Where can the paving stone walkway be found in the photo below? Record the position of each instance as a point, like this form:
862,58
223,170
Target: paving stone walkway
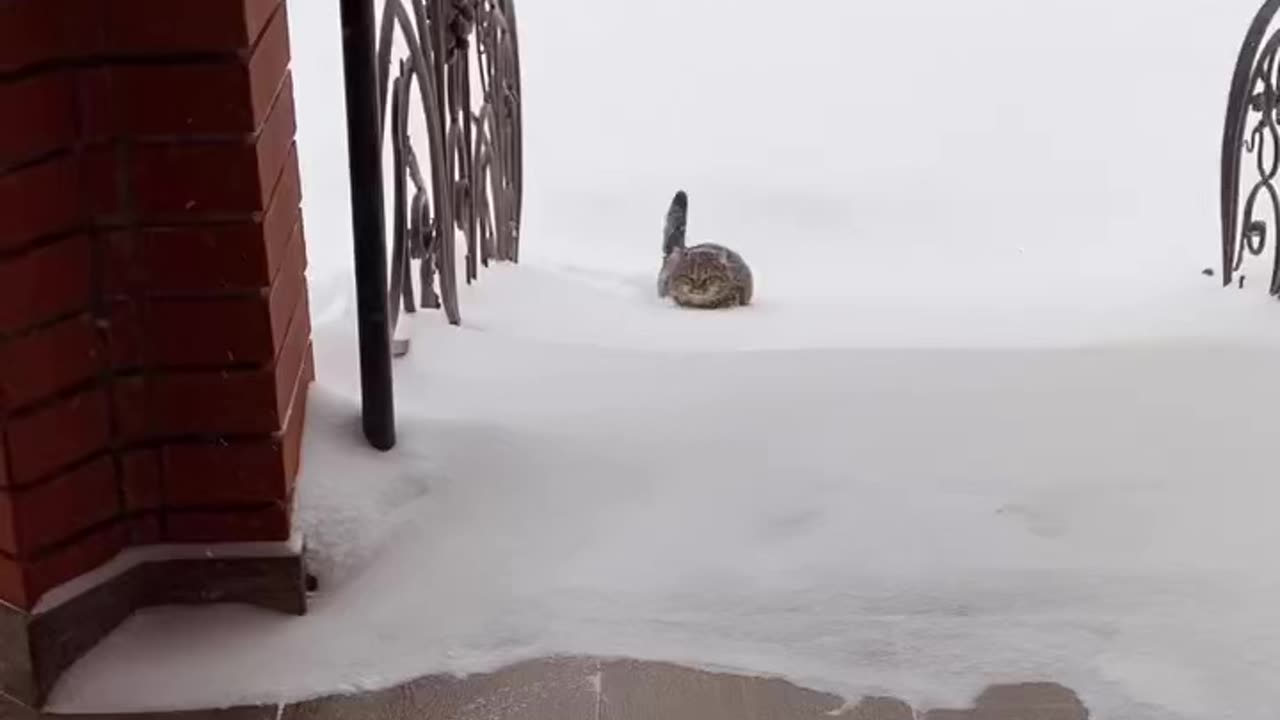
591,689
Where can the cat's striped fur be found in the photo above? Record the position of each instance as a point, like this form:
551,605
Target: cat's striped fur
706,276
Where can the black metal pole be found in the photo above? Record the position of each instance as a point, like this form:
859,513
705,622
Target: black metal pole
359,42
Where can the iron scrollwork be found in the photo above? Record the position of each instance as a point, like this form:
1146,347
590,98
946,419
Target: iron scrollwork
1252,132
472,183
459,84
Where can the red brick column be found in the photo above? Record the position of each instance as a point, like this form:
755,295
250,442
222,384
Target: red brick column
154,330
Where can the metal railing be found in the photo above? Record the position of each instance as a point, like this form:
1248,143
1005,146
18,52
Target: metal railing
468,183
1252,133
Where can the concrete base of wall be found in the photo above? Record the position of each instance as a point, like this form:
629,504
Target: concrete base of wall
37,647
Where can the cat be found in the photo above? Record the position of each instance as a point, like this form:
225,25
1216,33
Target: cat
706,276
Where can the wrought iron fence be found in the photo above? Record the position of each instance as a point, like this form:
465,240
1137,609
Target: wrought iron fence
461,69
1251,144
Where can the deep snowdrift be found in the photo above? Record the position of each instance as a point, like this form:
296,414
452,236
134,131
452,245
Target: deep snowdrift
921,522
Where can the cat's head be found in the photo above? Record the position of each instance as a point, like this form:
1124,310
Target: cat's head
702,278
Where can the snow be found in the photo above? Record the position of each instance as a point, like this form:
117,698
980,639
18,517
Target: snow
987,422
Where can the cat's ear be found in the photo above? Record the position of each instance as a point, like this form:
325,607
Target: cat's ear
677,219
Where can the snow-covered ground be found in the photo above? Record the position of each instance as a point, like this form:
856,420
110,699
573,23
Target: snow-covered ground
987,422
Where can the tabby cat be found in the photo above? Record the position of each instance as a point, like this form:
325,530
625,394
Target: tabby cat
706,276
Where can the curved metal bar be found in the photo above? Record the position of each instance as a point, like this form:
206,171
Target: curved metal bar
462,210
517,129
400,277
483,164
1253,91
500,119
513,33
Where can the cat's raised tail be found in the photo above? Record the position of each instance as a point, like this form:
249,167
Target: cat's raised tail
677,219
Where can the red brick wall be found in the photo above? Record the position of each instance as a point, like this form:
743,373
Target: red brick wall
154,332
